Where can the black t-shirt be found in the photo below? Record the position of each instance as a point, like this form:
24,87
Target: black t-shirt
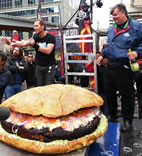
42,59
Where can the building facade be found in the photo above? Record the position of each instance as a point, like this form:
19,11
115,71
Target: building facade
54,11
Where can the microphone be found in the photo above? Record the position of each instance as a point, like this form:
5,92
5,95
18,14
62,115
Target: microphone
4,113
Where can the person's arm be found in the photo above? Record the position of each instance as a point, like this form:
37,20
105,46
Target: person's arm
18,43
49,47
31,42
137,53
4,79
46,50
99,60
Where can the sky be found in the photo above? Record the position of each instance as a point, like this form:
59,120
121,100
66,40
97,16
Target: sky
101,15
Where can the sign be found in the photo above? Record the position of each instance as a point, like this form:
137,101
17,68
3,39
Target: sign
79,57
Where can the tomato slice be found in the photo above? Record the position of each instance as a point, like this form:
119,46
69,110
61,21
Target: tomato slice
34,121
81,112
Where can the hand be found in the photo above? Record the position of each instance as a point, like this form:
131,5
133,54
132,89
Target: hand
31,41
105,62
132,55
98,61
13,40
6,41
20,67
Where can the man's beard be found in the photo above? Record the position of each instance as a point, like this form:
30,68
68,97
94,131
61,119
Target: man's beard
16,55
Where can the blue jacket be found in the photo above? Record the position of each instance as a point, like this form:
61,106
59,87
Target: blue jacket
118,43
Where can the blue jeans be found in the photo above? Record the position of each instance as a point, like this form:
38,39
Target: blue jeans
12,89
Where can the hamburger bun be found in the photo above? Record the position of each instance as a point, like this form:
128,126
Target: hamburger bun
52,100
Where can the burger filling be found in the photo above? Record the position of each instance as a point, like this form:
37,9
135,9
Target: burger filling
73,126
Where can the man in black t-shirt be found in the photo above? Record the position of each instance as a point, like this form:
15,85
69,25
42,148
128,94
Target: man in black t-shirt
44,45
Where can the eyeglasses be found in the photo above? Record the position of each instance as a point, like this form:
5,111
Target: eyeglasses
30,56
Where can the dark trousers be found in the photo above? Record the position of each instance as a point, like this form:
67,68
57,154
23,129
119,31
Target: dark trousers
122,80
140,106
45,75
139,93
1,94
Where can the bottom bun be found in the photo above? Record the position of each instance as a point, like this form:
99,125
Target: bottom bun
54,147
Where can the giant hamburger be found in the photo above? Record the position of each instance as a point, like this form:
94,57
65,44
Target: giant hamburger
53,119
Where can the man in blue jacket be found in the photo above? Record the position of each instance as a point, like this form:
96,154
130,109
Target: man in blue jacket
125,34
4,74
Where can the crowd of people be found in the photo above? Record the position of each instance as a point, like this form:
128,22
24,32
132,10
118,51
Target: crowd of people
113,65
36,70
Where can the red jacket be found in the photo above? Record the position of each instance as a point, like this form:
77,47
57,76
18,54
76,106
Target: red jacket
13,39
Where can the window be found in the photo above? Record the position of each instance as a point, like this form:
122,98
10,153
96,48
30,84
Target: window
55,19
8,33
31,1
28,12
49,10
33,12
52,10
56,9
50,0
5,4
45,18
20,34
22,13
18,3
0,32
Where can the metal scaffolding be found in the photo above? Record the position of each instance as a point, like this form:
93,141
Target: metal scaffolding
80,57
